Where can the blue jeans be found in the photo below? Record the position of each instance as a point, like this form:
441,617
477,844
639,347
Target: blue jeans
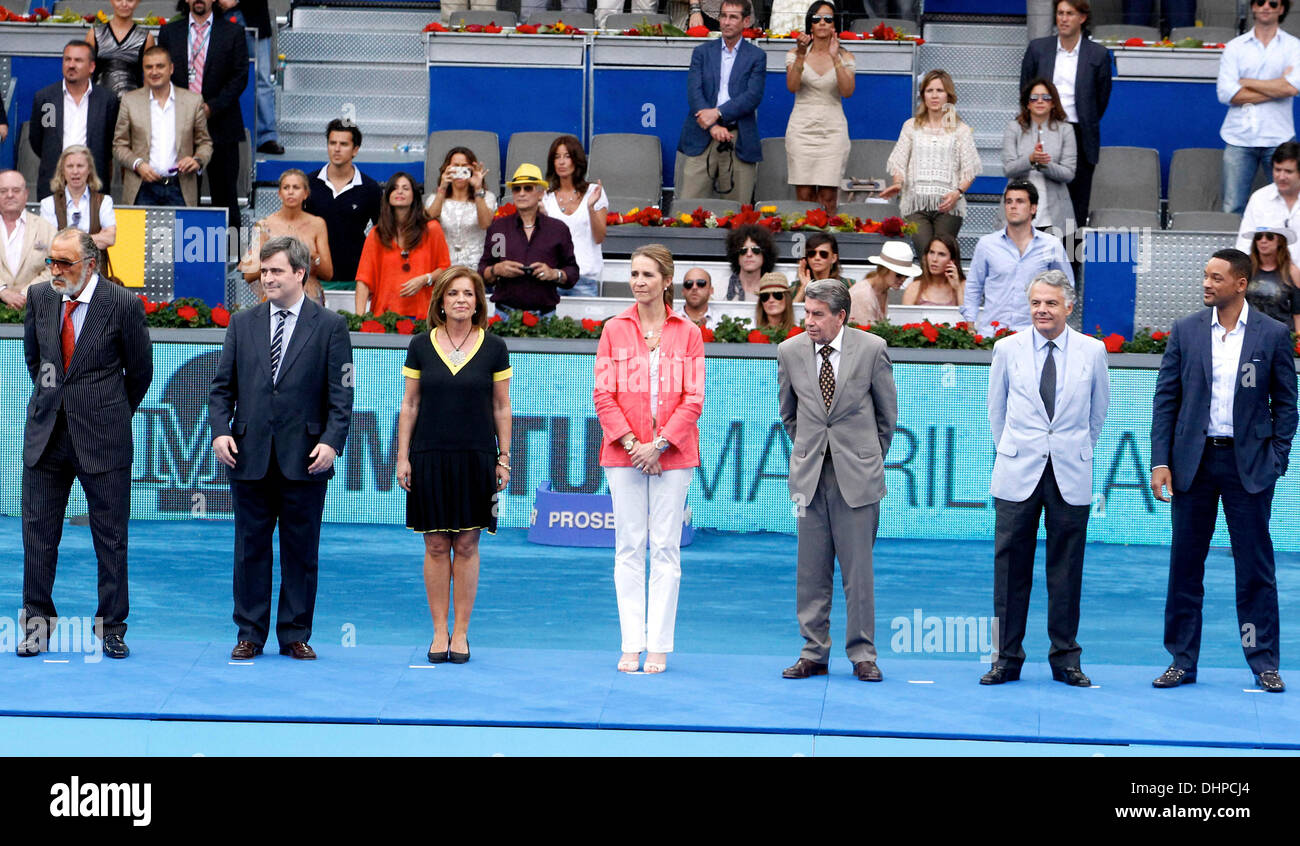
160,194
259,51
587,286
505,312
1239,165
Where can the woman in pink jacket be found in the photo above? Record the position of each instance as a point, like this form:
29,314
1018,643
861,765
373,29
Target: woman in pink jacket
649,394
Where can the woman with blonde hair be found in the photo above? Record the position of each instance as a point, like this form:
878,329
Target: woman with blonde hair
934,162
293,221
82,206
648,395
453,449
775,306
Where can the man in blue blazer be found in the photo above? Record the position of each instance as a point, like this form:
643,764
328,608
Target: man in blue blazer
1223,418
1049,390
280,409
1084,93
720,135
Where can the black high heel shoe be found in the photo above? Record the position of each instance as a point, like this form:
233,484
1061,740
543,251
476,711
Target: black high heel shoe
438,657
458,657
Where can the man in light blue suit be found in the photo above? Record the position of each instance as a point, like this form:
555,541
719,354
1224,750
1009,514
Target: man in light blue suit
1048,394
720,135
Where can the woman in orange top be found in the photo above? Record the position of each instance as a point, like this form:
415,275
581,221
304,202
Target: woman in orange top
402,255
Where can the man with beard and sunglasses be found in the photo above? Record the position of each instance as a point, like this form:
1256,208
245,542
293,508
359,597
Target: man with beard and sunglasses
697,290
91,362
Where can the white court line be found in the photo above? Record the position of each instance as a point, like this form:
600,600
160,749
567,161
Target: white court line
240,663
920,681
1252,690
1094,687
422,667
57,660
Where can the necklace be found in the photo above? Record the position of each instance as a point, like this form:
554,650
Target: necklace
457,357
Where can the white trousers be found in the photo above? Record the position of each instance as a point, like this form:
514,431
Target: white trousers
648,506
605,8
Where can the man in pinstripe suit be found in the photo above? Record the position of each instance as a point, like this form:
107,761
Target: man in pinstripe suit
91,362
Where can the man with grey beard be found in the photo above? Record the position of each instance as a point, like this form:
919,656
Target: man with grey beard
91,362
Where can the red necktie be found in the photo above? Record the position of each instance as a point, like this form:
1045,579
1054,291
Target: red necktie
69,334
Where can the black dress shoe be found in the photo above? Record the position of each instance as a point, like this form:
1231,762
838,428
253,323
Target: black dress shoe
299,650
1271,681
437,657
31,646
1175,676
245,650
272,148
803,669
998,674
458,657
115,647
1072,676
867,671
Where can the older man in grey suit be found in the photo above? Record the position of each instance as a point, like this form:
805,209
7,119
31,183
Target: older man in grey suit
839,407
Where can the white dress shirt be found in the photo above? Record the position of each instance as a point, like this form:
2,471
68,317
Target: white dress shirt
836,345
1040,360
289,323
1226,350
1246,57
1266,207
1063,74
13,253
79,210
75,116
79,315
162,133
728,61
324,176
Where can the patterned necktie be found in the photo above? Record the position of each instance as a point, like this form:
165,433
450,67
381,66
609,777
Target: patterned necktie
198,54
1047,384
69,334
277,341
827,378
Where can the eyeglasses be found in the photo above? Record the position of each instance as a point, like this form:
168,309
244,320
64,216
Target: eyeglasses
771,295
1046,98
1272,4
688,284
821,253
1268,236
751,251
62,264
524,188
406,260
822,19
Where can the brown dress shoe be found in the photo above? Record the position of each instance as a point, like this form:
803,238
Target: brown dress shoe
300,650
803,668
867,671
244,651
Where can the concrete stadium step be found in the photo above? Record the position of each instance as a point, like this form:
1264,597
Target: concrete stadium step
965,33
330,77
366,19
961,60
410,129
368,109
355,48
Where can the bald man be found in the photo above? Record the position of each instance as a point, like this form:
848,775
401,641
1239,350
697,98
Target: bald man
697,290
24,241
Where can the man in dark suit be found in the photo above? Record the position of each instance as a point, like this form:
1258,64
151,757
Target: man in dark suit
1080,69
840,407
91,362
280,408
73,112
1223,418
720,134
211,58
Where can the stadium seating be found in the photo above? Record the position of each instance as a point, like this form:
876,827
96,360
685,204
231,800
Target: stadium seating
1196,180
1124,32
1127,178
772,184
1206,221
628,167
481,17
582,20
1123,219
626,21
486,147
530,147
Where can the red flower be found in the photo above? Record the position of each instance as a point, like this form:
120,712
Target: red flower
650,216
613,218
526,29
707,334
979,339
994,324
496,318
435,27
40,13
1114,342
232,19
405,327
755,32
529,318
1159,336
698,32
931,334
816,217
884,33
1134,42
505,210
745,215
846,35
757,336
220,316
892,227
372,326
474,28
492,28
187,312
590,325
797,330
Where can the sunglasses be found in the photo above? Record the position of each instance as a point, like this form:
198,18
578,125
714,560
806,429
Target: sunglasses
771,295
1272,4
821,253
688,284
524,188
751,251
406,261
822,19
1046,98
1268,236
62,264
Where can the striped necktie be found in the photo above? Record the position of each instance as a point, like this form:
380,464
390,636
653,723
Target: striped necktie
277,341
198,54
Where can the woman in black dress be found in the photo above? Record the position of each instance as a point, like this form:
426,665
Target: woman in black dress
453,442
119,46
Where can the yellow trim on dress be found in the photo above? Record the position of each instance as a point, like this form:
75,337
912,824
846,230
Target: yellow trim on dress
410,372
466,529
433,337
502,375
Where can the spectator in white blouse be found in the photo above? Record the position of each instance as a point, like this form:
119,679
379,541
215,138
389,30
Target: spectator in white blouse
582,206
80,204
462,205
933,163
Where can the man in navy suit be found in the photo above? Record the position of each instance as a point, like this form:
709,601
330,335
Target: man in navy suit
1223,418
280,409
73,112
720,135
1080,69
